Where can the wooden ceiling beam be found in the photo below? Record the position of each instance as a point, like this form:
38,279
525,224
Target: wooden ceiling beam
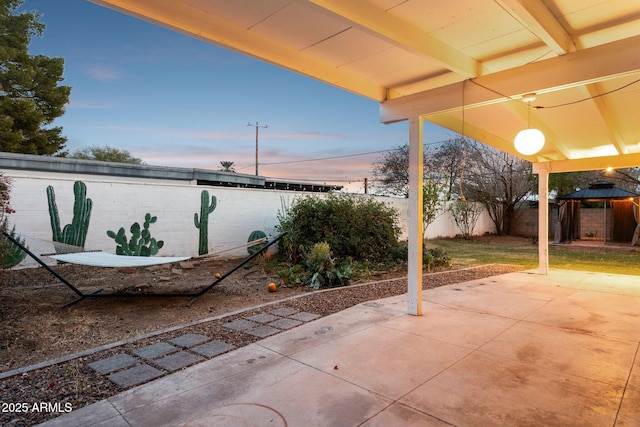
537,18
575,69
397,31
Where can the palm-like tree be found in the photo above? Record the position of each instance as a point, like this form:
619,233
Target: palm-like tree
227,166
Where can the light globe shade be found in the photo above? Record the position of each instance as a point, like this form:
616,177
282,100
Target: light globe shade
529,141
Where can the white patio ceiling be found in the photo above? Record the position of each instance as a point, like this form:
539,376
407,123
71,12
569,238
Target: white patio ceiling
430,58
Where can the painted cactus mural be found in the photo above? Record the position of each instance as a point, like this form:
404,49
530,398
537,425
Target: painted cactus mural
141,242
74,234
256,235
202,224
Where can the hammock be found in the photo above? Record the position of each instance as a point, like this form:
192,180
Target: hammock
103,259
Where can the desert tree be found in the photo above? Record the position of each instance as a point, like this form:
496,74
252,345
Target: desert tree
498,180
105,154
31,96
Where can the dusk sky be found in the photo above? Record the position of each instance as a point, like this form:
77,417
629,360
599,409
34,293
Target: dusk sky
173,100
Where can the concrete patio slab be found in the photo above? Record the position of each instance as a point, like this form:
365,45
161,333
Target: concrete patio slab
593,357
604,314
634,378
270,388
502,351
630,409
484,299
101,414
401,415
353,358
453,326
488,390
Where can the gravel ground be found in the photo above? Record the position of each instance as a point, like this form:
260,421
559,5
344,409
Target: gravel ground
71,384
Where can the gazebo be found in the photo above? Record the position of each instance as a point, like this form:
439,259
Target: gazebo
623,205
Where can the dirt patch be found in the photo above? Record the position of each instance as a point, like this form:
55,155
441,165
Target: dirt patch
36,328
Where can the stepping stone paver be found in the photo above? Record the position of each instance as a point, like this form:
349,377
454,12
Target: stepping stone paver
212,348
154,351
262,331
263,318
303,316
113,363
285,323
240,325
189,340
284,311
171,356
134,376
177,361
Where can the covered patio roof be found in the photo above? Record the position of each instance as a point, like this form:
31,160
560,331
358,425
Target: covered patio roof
419,57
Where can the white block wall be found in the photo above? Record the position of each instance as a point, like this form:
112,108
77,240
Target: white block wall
119,202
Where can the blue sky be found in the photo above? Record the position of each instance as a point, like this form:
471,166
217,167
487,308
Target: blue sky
174,100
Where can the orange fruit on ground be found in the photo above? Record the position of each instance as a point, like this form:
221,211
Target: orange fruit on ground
271,287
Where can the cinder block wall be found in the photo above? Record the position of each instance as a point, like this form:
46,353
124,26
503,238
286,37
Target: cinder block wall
591,223
119,202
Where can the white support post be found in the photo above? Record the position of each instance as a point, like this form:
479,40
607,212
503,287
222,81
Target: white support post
416,173
543,220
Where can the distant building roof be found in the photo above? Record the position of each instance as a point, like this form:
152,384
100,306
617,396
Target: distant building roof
199,176
599,190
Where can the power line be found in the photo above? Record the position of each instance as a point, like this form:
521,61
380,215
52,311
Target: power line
327,158
343,156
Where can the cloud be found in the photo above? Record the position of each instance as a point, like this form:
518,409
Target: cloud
102,73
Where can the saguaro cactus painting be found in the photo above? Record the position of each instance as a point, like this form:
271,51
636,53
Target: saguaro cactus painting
74,234
202,224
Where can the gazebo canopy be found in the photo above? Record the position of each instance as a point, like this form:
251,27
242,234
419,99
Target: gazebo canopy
600,190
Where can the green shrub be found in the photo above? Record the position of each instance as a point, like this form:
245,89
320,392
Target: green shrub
358,228
319,271
10,254
432,259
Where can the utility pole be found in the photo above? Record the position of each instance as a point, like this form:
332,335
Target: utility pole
257,126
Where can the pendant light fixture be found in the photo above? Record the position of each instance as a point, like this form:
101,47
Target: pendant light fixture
529,141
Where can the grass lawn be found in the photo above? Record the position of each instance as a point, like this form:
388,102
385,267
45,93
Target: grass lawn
521,251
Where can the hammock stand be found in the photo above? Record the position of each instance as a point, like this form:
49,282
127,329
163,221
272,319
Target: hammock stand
96,293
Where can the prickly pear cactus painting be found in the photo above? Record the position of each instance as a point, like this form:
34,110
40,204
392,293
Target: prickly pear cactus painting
202,224
74,234
141,242
256,235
